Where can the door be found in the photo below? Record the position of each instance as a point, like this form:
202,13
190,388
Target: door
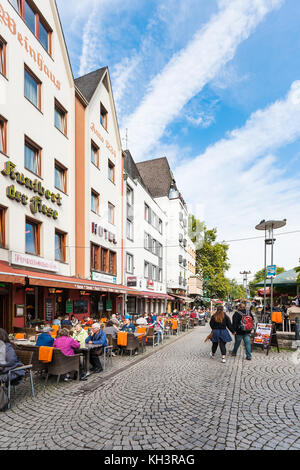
4,312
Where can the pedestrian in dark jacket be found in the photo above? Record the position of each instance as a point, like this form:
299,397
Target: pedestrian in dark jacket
9,360
240,333
220,336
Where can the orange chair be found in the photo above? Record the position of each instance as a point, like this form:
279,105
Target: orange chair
277,317
122,338
45,354
20,336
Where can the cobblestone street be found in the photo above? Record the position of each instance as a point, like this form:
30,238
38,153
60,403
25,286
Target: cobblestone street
177,398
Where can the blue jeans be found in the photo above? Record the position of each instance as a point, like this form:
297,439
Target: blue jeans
238,339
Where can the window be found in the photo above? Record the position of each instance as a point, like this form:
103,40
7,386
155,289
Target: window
129,263
29,16
60,177
94,201
147,212
104,260
35,21
2,56
103,116
146,270
95,154
111,171
2,226
129,196
32,157
95,257
112,263
16,4
129,230
32,88
154,273
111,213
160,275
32,235
3,135
60,118
60,246
160,226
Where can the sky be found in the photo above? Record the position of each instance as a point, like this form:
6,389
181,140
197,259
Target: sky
213,85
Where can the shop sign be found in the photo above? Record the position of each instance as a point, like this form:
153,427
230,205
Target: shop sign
150,284
103,233
36,202
271,270
131,281
104,278
30,261
108,305
69,306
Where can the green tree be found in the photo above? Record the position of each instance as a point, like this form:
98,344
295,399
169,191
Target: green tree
259,277
236,291
212,263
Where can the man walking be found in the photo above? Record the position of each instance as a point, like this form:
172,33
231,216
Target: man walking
242,323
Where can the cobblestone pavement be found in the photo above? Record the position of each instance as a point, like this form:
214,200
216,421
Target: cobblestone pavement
177,398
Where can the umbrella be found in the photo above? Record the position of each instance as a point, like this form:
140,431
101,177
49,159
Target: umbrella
288,278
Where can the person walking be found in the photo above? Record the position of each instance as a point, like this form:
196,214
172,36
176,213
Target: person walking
220,336
242,322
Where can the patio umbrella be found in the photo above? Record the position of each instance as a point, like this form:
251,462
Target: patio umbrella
288,278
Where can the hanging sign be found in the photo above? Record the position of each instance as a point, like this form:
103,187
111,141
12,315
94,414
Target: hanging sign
271,270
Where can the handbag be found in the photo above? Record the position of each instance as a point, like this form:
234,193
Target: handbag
208,337
3,398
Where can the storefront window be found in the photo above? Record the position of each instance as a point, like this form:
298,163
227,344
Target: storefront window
80,306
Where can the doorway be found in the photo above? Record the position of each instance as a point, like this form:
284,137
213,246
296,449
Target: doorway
4,310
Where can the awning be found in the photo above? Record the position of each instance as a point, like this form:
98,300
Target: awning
10,275
19,276
150,295
187,300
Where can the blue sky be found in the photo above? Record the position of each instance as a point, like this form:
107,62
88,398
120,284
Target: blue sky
213,85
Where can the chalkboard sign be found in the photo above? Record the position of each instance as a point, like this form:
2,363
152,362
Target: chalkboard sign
49,309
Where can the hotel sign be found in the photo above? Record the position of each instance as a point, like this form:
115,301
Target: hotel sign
34,262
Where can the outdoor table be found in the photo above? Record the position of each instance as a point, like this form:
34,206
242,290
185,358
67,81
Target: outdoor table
20,342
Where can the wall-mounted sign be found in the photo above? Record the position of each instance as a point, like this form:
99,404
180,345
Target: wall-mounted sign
49,309
108,146
150,284
104,278
30,261
131,281
36,202
103,233
69,306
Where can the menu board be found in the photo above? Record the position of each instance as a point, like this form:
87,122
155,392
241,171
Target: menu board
49,309
263,334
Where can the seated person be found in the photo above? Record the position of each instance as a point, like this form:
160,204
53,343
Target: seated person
74,321
9,360
142,320
88,321
57,320
66,321
66,343
128,326
111,329
80,335
114,320
45,338
97,337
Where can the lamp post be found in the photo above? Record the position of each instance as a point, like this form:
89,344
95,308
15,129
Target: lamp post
269,228
245,281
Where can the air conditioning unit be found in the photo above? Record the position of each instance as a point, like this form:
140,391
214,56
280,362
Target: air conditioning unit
180,280
184,262
185,242
180,259
185,223
180,237
180,216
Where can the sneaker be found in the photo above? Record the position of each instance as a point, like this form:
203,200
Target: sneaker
232,354
211,355
96,371
248,358
223,360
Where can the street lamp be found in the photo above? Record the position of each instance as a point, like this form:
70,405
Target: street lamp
269,228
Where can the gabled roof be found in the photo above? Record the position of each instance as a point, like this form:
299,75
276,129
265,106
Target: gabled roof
130,166
87,84
157,176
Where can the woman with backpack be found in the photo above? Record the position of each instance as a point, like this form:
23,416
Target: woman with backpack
220,336
242,322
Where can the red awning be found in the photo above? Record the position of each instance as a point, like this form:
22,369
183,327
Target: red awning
150,295
11,275
60,282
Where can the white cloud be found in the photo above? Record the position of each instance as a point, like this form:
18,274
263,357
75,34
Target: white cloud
240,181
190,69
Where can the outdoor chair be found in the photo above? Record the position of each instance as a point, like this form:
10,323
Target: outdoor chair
62,364
26,358
132,344
37,365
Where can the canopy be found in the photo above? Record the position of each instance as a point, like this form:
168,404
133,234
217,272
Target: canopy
288,278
